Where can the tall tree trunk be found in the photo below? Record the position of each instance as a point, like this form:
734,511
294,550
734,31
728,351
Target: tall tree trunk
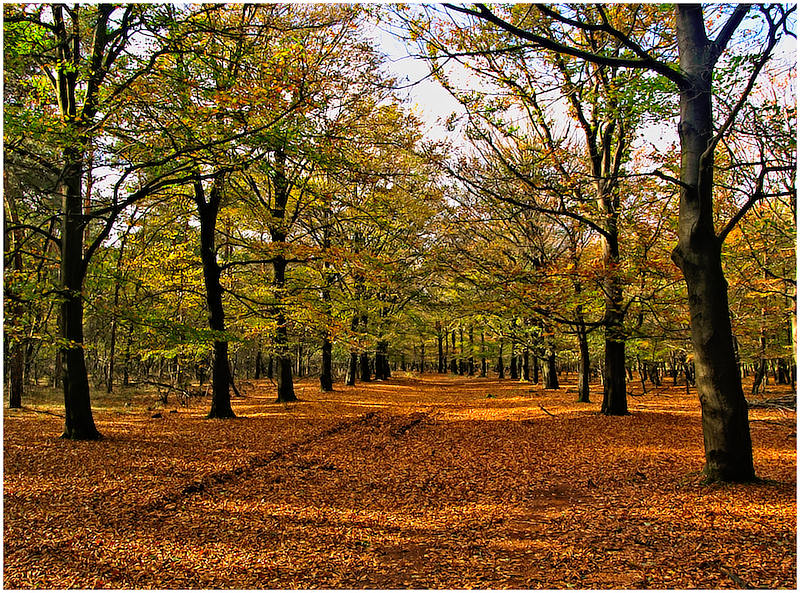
326,374
352,367
442,365
446,351
501,373
453,358
283,370
550,370
583,363
17,356
284,381
126,361
462,360
208,209
112,348
760,378
726,429
366,374
259,364
513,374
365,366
16,350
615,397
484,368
382,370
471,362
526,368
79,422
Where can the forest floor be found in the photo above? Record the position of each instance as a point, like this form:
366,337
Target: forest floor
418,482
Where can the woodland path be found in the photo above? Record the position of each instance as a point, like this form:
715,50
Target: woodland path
432,482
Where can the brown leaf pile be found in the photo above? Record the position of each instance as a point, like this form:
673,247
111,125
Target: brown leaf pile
417,482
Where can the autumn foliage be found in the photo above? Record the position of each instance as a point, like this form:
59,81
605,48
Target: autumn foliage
423,481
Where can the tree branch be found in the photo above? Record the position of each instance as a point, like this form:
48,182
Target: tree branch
648,63
754,199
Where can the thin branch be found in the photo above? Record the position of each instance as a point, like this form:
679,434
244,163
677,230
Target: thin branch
754,199
648,63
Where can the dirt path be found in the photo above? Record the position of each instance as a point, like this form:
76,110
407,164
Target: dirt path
437,482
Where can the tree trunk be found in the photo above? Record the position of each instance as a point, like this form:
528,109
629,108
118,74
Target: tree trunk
259,364
284,380
17,356
500,364
462,360
220,370
584,364
484,368
114,323
526,364
471,362
326,375
550,370
726,429
513,374
382,370
352,368
453,358
285,384
442,366
366,373
615,397
79,423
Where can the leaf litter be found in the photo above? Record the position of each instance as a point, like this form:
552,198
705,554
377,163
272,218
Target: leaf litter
416,482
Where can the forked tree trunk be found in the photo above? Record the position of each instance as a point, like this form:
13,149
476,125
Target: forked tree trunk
726,429
220,371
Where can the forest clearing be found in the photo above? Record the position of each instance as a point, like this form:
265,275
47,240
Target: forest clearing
422,481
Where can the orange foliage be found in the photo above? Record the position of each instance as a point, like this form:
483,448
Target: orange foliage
432,482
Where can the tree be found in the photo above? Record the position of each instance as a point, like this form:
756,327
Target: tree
726,429
520,124
84,81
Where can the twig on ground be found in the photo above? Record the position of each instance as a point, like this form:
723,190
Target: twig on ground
735,577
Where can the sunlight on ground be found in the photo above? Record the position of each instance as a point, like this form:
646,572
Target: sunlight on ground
416,482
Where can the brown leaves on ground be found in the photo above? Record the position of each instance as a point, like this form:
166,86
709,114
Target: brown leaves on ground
426,482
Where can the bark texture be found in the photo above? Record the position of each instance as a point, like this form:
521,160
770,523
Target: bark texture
726,429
